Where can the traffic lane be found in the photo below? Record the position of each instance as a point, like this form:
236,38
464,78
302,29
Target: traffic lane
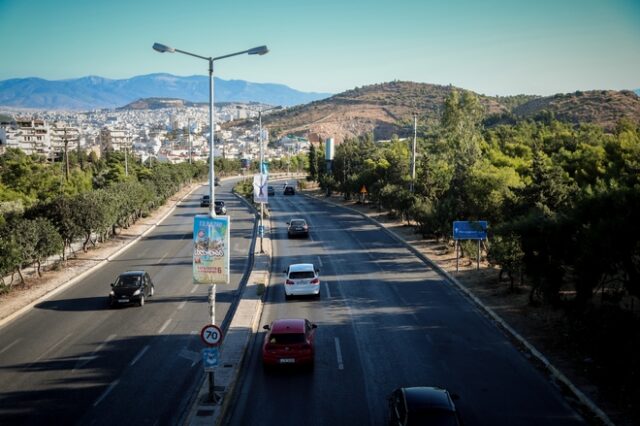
102,337
449,341
297,396
457,369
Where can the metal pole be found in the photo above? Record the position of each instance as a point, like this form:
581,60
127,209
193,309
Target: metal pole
260,169
189,133
212,211
413,152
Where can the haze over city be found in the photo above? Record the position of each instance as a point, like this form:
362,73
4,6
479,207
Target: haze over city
493,47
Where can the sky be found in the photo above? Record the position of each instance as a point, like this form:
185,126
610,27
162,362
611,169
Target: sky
492,47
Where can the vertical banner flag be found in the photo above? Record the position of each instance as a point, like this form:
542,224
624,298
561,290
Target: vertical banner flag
211,244
260,188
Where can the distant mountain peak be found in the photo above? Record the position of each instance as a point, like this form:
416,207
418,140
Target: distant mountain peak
95,92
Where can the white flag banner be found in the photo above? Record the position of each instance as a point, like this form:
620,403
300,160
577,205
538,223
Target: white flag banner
260,188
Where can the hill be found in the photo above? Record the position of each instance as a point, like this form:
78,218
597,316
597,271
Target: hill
387,109
93,92
601,107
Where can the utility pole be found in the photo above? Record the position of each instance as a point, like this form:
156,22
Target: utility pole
413,152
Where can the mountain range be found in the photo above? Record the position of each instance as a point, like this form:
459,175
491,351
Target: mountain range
89,93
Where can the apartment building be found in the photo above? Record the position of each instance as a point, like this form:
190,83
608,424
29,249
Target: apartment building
112,139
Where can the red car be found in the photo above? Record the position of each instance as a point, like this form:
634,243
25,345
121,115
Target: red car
289,342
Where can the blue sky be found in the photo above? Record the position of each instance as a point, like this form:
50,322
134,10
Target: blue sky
494,47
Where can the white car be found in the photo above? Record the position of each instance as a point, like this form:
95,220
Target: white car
301,280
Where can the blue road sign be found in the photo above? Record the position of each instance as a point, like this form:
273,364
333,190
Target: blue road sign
470,230
260,231
210,358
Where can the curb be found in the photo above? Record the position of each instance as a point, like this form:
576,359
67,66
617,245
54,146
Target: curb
9,318
557,374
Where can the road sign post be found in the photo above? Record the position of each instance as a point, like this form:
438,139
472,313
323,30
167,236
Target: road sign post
211,335
469,230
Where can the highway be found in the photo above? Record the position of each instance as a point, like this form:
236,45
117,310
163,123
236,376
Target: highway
72,360
385,320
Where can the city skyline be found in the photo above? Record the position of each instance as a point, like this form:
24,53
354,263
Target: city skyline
494,47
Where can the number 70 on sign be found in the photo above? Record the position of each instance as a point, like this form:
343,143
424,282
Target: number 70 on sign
211,335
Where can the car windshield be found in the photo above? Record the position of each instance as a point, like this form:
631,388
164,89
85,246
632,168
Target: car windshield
128,281
301,274
287,338
298,223
219,203
205,197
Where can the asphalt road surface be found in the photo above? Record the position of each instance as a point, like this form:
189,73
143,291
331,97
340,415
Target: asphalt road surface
385,320
72,360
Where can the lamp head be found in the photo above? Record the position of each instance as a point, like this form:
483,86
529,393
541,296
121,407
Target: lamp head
260,50
162,48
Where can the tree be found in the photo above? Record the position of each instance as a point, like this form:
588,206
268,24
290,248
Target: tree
506,251
47,243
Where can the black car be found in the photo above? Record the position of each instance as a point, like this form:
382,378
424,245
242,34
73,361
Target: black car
220,207
206,201
131,287
422,405
297,228
289,190
271,191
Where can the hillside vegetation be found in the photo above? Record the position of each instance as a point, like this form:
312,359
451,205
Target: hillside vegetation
387,109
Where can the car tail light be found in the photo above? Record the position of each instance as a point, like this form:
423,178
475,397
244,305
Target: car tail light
289,282
315,281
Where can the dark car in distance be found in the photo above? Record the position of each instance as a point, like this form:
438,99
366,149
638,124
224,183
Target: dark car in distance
289,190
131,287
422,405
220,207
289,342
297,228
205,201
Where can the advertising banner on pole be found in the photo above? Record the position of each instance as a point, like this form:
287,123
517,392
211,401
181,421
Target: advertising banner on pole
211,245
260,188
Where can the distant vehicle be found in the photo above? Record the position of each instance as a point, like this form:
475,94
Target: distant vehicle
216,181
289,190
422,406
131,287
297,227
220,207
271,191
301,279
289,342
206,201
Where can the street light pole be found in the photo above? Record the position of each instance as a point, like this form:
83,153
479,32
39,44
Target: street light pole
260,50
413,152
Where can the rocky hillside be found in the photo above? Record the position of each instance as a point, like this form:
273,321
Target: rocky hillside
601,107
387,109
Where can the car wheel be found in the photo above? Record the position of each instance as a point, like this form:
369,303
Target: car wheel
141,302
153,290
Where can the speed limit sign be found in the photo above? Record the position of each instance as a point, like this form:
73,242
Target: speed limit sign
211,335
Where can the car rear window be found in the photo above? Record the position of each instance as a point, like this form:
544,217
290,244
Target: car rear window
301,274
287,338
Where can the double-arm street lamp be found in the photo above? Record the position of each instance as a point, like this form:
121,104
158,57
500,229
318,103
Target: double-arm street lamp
260,50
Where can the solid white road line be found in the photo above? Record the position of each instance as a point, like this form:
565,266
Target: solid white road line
137,358
193,290
339,354
319,261
52,347
165,325
11,344
181,305
106,392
